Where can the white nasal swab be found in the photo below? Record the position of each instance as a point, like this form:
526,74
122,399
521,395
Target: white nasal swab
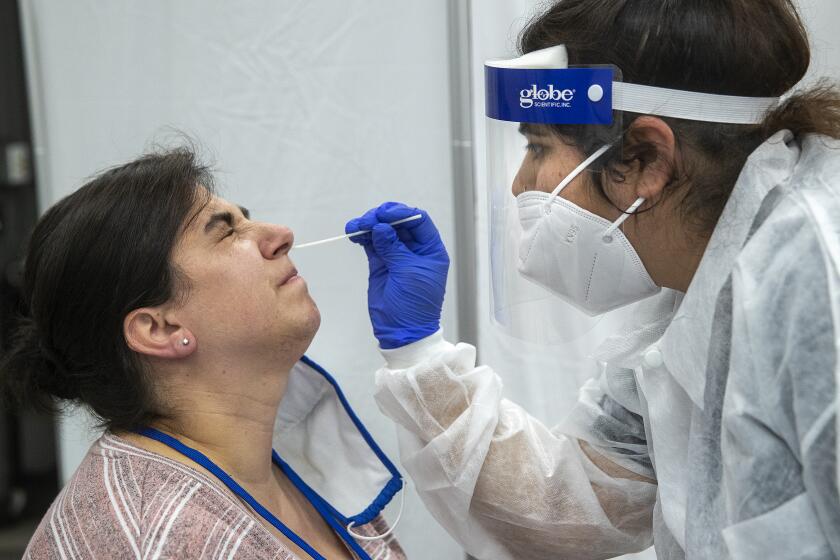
349,235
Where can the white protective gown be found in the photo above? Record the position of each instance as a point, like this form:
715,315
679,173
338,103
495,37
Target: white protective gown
725,398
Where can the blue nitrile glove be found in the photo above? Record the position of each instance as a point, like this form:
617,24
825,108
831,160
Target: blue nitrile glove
408,269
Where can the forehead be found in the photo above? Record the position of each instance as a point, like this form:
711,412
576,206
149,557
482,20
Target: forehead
532,129
218,204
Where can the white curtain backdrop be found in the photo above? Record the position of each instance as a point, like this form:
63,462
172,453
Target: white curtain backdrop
314,111
822,18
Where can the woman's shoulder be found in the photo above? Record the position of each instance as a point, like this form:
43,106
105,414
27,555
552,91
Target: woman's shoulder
820,158
125,501
795,233
784,277
784,284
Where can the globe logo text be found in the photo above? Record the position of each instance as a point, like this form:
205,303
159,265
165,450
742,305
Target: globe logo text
546,97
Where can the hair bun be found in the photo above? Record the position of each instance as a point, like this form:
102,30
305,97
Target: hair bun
31,374
55,377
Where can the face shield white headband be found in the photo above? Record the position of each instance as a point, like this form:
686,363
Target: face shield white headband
558,235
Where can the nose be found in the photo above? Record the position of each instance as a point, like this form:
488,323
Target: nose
276,241
518,186
520,182
525,178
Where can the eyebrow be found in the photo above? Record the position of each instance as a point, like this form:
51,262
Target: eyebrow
224,217
531,130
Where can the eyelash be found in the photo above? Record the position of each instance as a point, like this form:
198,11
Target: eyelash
536,149
229,233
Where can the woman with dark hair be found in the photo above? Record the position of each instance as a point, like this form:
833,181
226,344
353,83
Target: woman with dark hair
181,324
713,201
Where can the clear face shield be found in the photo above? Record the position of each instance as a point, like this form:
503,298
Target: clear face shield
539,110
556,266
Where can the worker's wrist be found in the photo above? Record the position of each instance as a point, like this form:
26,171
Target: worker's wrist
416,352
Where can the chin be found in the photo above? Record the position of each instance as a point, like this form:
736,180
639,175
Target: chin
309,322
314,320
297,326
297,335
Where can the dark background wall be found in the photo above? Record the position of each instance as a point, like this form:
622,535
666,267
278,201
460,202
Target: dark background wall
28,477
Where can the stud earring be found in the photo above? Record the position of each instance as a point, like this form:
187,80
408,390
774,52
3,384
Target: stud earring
185,342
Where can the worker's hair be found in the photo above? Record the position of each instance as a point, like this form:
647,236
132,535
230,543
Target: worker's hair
93,257
731,47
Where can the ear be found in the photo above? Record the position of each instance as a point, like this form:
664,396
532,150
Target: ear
656,163
154,331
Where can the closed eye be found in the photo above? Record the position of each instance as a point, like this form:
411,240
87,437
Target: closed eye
224,218
536,149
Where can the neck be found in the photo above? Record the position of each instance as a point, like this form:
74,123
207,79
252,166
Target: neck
234,426
670,252
240,446
678,272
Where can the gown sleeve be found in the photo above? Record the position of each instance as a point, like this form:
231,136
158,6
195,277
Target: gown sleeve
503,484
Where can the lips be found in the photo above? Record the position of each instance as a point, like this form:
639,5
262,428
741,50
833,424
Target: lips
292,274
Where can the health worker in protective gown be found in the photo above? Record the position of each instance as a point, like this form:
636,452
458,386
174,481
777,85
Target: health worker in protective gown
688,174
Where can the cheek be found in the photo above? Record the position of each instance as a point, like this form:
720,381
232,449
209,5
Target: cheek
546,171
551,174
541,174
231,285
582,191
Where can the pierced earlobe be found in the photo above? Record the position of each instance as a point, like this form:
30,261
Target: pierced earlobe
185,341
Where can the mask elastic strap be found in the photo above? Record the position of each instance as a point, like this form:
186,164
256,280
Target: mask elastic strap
616,224
571,176
386,533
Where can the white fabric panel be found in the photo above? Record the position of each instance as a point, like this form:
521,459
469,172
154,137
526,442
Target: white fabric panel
545,381
315,111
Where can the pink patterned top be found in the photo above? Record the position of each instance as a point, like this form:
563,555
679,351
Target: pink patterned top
126,502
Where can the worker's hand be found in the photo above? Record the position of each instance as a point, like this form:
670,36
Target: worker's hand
408,269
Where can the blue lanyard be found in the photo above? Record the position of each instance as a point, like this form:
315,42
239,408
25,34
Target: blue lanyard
324,509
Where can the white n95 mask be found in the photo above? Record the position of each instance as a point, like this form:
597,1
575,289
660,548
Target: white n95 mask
579,256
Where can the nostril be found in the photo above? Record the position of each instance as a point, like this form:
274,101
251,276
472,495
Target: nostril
278,241
283,249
